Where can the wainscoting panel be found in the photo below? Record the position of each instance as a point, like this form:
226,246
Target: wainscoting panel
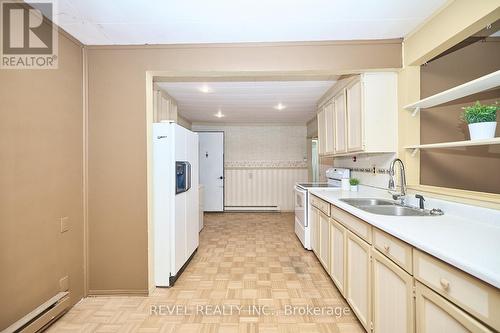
262,187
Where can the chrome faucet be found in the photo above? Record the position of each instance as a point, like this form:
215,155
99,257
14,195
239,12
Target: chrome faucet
392,188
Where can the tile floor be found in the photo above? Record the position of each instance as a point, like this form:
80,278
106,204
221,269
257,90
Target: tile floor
249,274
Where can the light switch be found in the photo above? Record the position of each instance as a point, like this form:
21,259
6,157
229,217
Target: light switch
64,224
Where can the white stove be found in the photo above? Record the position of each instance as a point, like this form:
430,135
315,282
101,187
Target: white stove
302,201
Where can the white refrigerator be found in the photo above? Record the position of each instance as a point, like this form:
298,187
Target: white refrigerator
175,200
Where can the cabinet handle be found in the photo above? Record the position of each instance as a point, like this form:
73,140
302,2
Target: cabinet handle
387,248
445,284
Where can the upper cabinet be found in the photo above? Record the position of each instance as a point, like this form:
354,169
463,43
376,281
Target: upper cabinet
340,123
329,121
354,117
326,132
364,113
321,132
164,107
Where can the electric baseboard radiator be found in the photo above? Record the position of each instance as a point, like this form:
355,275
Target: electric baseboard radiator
42,316
251,208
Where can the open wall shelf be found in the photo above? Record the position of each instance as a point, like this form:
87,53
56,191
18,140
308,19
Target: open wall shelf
483,83
456,144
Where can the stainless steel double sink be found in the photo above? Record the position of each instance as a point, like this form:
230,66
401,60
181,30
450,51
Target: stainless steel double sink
385,207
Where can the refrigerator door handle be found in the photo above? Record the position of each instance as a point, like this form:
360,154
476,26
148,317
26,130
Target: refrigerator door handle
188,176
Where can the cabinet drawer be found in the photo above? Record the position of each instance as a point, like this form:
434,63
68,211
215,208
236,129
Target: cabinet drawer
474,296
396,250
321,205
436,314
351,222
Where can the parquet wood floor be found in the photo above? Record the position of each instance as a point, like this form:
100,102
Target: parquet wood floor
249,274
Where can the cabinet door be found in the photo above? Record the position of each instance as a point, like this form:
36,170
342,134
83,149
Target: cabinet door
165,106
340,123
337,254
329,127
393,304
321,132
324,240
358,286
172,111
354,117
156,108
436,315
314,229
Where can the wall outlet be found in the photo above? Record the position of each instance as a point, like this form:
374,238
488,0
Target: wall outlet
64,224
64,283
374,169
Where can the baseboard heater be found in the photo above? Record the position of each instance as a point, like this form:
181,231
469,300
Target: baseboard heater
252,208
42,316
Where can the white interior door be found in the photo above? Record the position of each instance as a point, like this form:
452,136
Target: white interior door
212,169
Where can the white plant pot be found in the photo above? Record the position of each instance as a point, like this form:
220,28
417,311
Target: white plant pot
354,188
482,130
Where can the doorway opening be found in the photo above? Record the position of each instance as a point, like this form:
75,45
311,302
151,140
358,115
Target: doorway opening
260,119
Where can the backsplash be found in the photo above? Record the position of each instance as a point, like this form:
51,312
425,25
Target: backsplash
363,168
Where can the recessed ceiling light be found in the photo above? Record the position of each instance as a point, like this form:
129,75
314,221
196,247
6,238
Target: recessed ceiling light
205,89
280,107
219,114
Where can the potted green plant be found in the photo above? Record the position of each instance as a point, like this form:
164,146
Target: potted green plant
354,182
482,120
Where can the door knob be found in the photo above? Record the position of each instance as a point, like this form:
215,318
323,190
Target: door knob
221,177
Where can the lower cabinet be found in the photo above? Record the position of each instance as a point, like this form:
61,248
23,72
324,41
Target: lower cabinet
338,236
358,291
393,302
377,281
436,315
314,223
324,240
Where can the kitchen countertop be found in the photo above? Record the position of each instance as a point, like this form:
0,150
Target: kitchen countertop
466,237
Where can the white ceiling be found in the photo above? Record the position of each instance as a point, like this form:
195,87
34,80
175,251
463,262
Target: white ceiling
96,22
248,102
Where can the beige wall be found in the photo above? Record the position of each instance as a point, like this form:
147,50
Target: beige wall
41,140
458,168
456,22
117,133
409,125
